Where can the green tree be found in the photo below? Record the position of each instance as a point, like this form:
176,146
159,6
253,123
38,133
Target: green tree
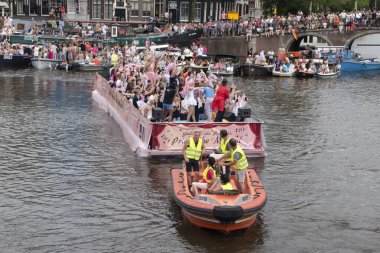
284,7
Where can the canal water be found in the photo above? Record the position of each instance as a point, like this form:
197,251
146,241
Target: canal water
69,183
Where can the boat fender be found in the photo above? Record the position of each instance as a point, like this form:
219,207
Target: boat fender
227,214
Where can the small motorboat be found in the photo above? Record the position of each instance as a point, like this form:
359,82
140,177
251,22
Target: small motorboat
45,63
360,65
86,66
201,62
224,211
304,74
329,75
283,74
224,65
10,61
249,69
65,66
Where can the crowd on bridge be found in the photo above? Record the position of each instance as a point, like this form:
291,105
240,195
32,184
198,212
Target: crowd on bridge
262,26
278,25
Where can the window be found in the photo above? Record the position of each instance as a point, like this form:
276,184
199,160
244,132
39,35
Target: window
211,8
71,7
119,3
33,7
159,8
83,7
20,7
205,12
134,9
184,12
96,8
108,9
146,9
45,7
198,13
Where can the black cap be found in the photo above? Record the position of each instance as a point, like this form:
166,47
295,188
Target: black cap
223,133
211,161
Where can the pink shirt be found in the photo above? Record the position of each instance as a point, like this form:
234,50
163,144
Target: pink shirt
95,50
209,176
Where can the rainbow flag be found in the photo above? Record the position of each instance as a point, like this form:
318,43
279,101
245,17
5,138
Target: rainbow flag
295,34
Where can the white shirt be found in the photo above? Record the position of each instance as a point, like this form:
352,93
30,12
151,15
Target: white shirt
36,51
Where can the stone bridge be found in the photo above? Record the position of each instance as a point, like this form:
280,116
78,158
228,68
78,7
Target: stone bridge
237,45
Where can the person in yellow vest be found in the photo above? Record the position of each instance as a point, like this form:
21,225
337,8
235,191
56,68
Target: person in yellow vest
239,162
192,151
114,58
224,148
221,184
208,177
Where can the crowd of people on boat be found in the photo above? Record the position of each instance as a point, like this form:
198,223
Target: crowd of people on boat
173,84
287,62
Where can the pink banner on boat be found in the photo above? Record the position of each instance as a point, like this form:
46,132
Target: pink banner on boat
172,136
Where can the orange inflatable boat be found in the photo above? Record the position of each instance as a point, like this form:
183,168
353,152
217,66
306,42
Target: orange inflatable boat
226,210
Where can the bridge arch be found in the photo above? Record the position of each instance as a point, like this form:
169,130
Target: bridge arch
351,40
293,45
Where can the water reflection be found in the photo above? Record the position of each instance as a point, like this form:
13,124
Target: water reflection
69,181
205,240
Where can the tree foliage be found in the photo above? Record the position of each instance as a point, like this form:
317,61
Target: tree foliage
284,7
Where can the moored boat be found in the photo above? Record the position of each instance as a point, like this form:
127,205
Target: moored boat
360,65
224,65
248,69
304,74
283,74
156,138
45,63
185,38
10,61
225,210
329,75
86,67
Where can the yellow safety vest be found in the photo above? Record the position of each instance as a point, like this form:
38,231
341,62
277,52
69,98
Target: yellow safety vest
223,148
242,163
114,59
227,186
192,151
205,174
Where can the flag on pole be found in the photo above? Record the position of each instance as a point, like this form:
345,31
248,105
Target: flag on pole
295,34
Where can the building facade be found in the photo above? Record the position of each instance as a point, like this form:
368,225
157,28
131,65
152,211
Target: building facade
135,10
197,10
124,10
72,9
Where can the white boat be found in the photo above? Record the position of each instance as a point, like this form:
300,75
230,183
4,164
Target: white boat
282,74
45,63
329,75
157,138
